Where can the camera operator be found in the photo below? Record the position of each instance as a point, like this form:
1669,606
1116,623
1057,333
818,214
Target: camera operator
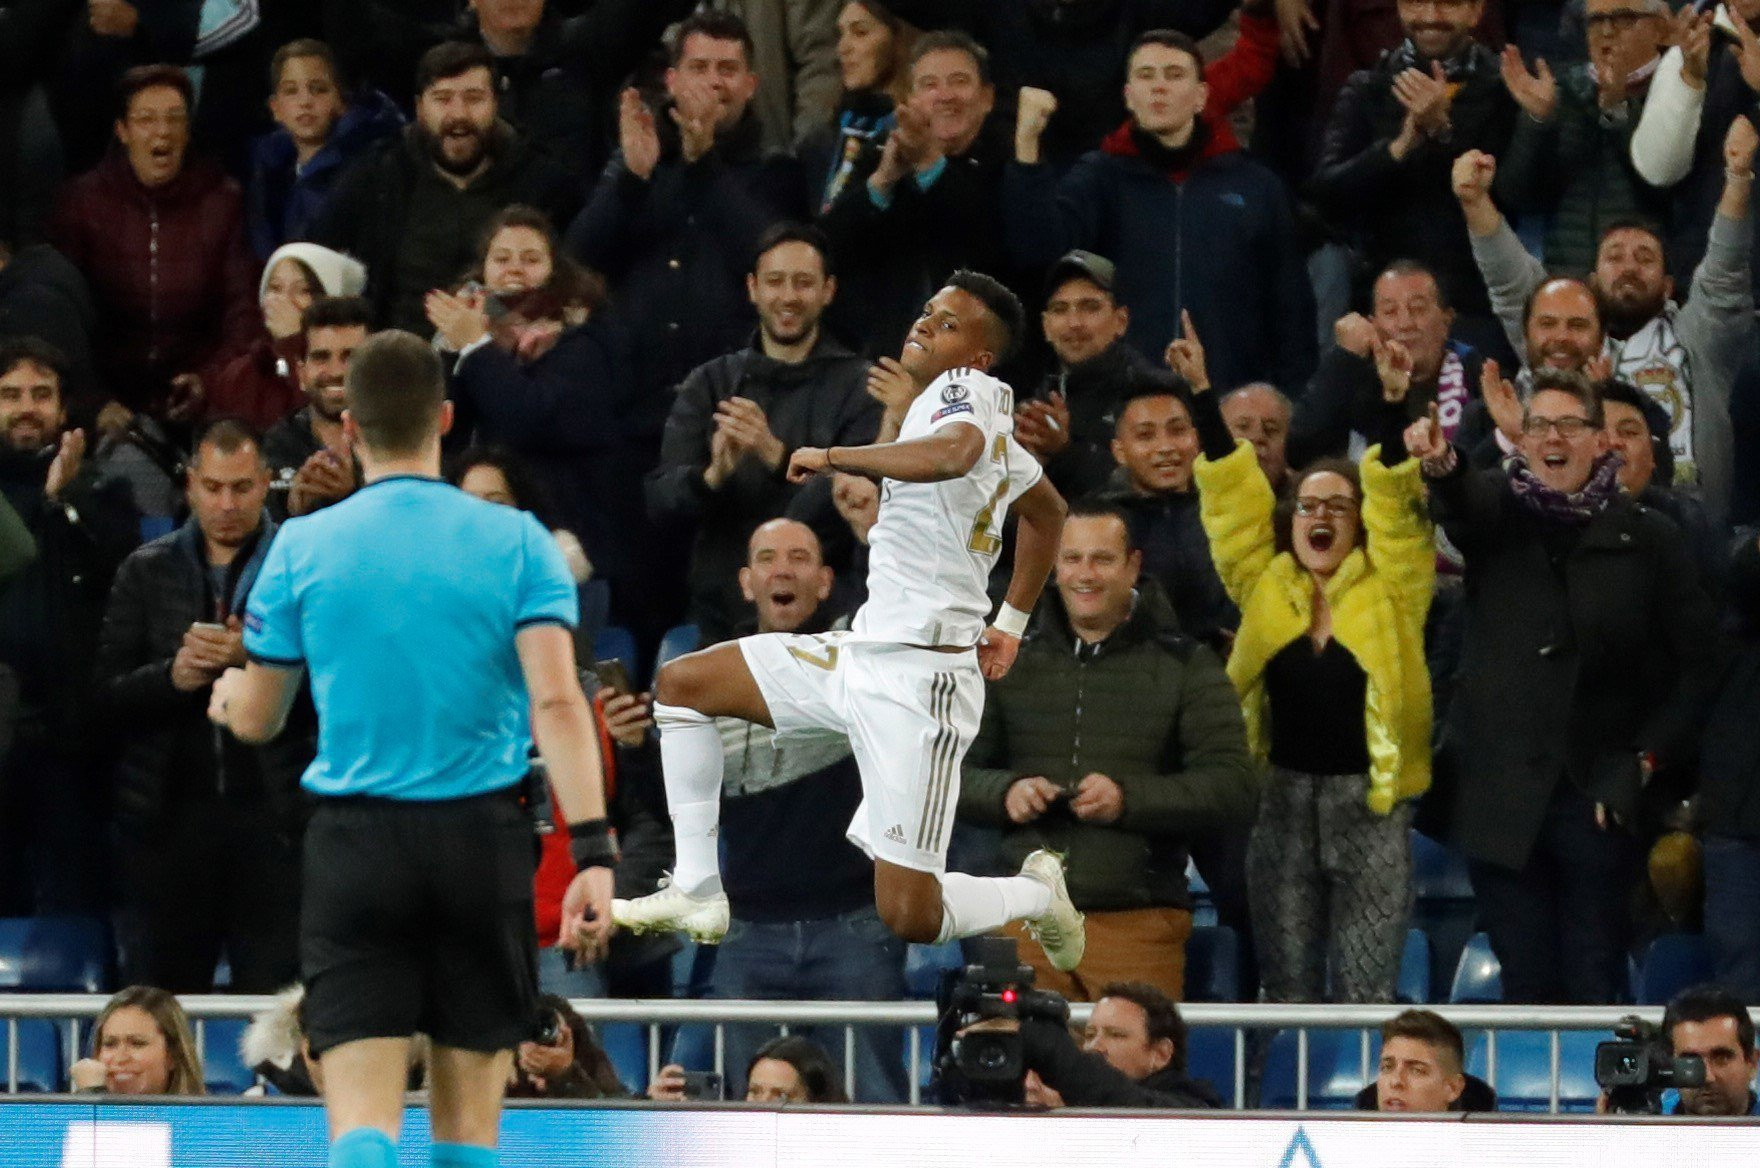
1133,1054
1712,1023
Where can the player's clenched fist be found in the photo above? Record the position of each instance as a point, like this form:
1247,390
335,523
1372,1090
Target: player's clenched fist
807,462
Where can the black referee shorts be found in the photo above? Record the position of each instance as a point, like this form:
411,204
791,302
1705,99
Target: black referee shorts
418,917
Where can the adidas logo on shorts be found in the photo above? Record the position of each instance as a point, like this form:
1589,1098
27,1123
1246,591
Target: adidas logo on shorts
895,833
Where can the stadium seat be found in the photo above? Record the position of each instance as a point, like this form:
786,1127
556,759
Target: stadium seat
923,965
1479,976
67,955
615,643
40,1064
1335,1069
222,1065
1210,1056
679,640
1524,1069
1443,906
1213,965
1437,873
1413,987
1674,962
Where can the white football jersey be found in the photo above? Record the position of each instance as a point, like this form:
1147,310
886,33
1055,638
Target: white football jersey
931,550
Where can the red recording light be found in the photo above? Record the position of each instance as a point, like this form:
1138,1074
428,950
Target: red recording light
1008,996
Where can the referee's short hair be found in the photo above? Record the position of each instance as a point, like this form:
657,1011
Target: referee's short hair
394,390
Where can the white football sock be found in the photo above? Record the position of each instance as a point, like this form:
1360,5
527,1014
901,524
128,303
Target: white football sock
971,905
691,760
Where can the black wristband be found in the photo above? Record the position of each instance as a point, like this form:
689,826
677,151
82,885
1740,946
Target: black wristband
590,844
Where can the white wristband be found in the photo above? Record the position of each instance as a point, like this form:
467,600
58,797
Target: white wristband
1010,620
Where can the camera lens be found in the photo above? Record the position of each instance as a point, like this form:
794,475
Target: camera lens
992,1058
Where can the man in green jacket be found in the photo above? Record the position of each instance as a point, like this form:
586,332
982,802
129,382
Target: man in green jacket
1114,739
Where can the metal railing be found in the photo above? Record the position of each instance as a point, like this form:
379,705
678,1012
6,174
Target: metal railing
657,1014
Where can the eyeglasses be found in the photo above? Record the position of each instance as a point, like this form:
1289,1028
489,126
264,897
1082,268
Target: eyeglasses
1337,506
1568,427
1623,21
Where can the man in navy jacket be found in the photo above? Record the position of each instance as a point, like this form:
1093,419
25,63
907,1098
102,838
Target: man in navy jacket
1194,225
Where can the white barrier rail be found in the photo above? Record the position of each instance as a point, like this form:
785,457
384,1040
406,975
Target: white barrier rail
654,1014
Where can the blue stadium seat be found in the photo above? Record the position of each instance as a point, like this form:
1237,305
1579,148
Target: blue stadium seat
923,965
1524,1069
1479,976
1213,965
1674,962
40,1063
222,1066
1437,873
679,640
1335,1070
1210,1056
615,642
68,955
1443,907
1413,986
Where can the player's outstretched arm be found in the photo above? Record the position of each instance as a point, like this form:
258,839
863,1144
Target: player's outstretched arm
562,726
947,454
253,702
1041,510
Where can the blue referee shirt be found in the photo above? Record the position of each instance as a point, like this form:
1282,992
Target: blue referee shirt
402,602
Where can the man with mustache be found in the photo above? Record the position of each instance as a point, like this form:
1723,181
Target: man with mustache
1383,173
309,461
1570,156
736,419
83,522
411,208
1685,357
1408,326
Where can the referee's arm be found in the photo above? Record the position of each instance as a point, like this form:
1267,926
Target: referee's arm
562,721
253,702
568,741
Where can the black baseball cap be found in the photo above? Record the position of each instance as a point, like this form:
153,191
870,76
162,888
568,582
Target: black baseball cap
1081,265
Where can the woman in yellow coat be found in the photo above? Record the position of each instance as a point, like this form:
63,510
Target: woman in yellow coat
1333,583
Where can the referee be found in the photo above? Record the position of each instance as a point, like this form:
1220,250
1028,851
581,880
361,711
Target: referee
437,632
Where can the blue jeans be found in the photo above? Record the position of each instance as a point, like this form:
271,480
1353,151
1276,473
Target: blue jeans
1732,913
853,957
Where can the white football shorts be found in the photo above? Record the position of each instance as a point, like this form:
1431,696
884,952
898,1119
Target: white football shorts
909,714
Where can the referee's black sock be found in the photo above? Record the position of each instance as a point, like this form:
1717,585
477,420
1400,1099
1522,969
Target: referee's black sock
364,1147
463,1156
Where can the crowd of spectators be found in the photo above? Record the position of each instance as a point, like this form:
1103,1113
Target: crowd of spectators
1400,363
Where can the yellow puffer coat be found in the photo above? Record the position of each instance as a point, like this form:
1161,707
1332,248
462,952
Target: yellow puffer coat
1379,597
